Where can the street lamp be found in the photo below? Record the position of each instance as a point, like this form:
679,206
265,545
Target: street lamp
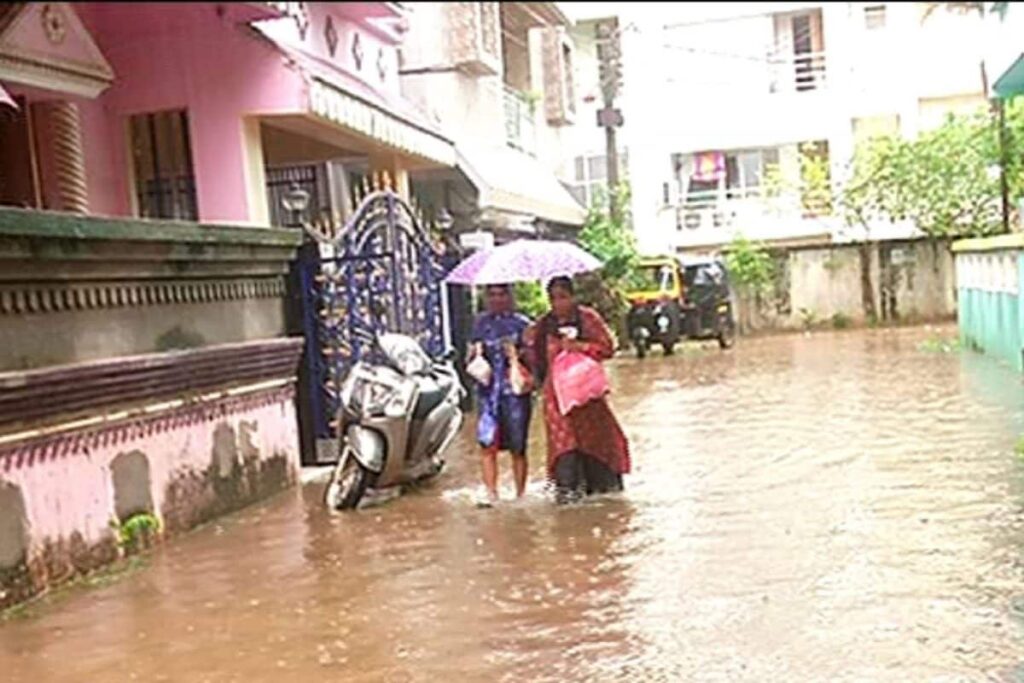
295,201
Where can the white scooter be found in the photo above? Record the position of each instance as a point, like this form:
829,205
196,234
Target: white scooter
396,421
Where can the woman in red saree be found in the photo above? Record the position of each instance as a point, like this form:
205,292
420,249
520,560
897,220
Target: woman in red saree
587,451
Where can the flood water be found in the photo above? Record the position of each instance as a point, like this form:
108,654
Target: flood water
841,507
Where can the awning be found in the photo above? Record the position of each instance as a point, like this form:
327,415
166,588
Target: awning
1011,83
387,119
514,182
333,102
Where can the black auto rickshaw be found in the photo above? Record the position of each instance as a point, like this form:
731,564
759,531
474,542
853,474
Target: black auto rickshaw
678,299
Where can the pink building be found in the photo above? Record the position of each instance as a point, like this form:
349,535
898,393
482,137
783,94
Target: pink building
146,366
181,110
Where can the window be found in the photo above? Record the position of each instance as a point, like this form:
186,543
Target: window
568,72
164,182
874,17
591,176
742,177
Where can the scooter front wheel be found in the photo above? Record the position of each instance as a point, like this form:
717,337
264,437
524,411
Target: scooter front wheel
347,485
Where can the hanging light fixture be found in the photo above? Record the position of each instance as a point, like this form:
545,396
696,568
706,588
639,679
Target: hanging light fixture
295,201
444,220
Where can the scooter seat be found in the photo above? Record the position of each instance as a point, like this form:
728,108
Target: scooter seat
432,393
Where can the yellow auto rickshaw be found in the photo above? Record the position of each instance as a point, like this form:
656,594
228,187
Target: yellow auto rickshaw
674,299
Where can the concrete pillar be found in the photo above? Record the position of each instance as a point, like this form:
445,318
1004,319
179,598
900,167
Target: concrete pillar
255,172
68,157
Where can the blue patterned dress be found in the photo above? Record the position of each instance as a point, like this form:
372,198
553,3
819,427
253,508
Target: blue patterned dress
504,417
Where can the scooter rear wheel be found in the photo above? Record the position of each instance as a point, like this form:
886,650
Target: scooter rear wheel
347,485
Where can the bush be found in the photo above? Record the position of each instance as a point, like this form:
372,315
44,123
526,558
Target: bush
136,532
840,321
750,266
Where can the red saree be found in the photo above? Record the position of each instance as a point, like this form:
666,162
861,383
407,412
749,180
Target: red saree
591,429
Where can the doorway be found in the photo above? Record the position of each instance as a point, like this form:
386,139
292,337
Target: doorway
19,185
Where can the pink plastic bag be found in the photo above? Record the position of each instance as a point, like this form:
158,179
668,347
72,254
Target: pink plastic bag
578,380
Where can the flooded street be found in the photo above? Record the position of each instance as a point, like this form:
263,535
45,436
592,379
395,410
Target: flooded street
842,507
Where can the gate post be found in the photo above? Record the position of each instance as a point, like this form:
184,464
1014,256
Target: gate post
303,308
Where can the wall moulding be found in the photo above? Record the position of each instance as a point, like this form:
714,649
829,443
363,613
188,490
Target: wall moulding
31,298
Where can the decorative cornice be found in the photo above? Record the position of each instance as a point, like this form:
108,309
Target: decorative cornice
81,70
39,74
56,298
33,451
70,250
57,225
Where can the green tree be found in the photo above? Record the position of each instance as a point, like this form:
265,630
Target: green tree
611,240
531,299
944,180
750,266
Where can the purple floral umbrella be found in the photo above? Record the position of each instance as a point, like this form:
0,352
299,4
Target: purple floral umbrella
523,261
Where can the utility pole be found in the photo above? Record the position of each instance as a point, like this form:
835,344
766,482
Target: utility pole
609,55
998,104
1004,185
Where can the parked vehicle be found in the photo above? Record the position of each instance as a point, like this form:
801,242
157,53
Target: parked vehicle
655,314
680,299
707,301
398,416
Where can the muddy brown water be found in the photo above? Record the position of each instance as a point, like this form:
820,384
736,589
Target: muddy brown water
843,507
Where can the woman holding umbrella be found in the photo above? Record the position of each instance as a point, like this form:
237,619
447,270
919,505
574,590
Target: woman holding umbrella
587,450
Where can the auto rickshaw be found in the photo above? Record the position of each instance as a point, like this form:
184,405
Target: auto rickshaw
678,299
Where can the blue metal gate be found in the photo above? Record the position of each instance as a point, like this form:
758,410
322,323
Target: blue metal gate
381,272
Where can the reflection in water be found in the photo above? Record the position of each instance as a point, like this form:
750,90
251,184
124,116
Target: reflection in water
836,508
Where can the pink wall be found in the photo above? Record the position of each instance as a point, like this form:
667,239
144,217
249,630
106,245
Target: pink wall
201,57
67,485
210,66
221,72
348,20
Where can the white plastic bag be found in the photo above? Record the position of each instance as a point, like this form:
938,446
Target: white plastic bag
478,368
519,378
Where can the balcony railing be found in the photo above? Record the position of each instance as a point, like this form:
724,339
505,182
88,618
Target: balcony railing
520,126
740,207
802,72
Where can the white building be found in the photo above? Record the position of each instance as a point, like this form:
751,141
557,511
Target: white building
498,79
717,92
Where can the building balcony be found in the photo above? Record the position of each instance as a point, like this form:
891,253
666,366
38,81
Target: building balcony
520,123
716,218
